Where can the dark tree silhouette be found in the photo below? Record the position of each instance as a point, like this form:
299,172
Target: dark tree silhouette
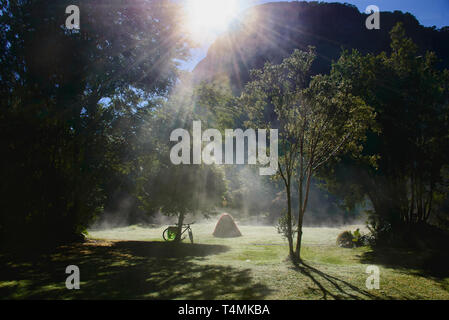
72,103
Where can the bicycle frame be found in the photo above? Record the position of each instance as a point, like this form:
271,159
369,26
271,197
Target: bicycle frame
172,230
185,229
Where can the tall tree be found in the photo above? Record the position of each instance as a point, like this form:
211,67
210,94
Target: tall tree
179,189
72,104
316,123
410,95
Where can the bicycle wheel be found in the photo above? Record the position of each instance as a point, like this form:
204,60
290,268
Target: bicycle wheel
191,236
169,234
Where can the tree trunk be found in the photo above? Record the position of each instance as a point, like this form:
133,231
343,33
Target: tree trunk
289,221
287,182
180,222
297,256
302,210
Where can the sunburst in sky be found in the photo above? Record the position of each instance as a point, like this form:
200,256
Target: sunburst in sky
207,18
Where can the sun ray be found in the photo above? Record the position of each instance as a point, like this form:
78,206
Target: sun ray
207,18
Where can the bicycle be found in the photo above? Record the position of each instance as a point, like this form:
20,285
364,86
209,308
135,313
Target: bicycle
169,234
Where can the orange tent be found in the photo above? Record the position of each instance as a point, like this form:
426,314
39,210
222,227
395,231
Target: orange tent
226,227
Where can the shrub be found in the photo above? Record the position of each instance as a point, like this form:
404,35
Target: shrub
411,236
282,226
348,239
345,239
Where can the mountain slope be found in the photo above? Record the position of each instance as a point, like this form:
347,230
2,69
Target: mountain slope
271,31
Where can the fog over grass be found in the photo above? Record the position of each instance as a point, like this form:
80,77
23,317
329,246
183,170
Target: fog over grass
203,234
261,204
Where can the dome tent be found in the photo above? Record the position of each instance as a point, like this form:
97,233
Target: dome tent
226,227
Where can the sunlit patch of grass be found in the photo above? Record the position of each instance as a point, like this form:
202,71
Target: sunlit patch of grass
332,254
264,252
260,255
135,262
4,284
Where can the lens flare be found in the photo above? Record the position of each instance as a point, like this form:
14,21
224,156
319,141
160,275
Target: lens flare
206,17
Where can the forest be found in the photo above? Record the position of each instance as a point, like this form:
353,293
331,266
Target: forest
88,115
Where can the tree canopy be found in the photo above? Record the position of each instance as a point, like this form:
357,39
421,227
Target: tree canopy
317,121
73,103
410,96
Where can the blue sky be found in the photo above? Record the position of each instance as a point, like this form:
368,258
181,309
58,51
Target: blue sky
428,13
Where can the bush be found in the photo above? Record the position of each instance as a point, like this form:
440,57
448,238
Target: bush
345,239
411,236
282,226
380,230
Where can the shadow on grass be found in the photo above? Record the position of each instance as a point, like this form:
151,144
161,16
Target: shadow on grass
427,263
331,286
126,270
419,248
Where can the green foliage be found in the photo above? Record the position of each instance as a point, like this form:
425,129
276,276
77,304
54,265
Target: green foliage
318,119
399,170
73,104
217,105
178,190
184,189
282,225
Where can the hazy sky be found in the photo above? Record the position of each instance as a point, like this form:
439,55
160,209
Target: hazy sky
428,13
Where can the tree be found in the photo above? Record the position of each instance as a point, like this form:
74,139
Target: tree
178,189
316,123
410,96
72,103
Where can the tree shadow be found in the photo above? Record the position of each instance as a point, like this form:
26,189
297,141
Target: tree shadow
427,263
331,286
420,249
127,270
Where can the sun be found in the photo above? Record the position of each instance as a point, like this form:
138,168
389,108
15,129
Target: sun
205,17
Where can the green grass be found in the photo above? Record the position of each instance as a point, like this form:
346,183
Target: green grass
134,263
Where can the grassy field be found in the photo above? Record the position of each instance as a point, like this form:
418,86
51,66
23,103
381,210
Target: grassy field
134,263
